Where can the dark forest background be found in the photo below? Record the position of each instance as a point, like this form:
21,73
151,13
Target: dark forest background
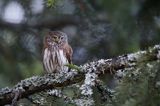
96,29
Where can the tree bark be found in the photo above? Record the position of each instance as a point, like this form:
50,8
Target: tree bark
37,84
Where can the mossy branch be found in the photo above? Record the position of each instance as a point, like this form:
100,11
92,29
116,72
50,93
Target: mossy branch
37,84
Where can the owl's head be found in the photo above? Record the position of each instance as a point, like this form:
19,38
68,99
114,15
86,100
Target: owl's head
56,38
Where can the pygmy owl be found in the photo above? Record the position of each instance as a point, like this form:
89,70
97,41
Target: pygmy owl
57,52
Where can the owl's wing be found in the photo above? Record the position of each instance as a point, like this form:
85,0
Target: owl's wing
68,52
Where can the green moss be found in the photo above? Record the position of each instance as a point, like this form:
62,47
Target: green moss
137,88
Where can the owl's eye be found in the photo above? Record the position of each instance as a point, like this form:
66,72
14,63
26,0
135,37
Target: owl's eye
62,37
55,37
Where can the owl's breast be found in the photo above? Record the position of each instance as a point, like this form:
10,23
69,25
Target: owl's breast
61,57
54,60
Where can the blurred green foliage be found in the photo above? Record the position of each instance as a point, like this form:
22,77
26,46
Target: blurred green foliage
109,28
106,28
51,3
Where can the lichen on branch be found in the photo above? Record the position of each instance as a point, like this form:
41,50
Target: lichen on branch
89,73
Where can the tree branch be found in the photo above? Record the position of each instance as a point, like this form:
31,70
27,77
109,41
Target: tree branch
40,83
45,22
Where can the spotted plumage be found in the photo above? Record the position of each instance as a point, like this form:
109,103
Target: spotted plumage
57,52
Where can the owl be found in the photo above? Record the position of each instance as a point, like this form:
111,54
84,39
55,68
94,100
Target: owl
57,53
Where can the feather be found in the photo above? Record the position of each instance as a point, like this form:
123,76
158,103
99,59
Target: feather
68,52
56,55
